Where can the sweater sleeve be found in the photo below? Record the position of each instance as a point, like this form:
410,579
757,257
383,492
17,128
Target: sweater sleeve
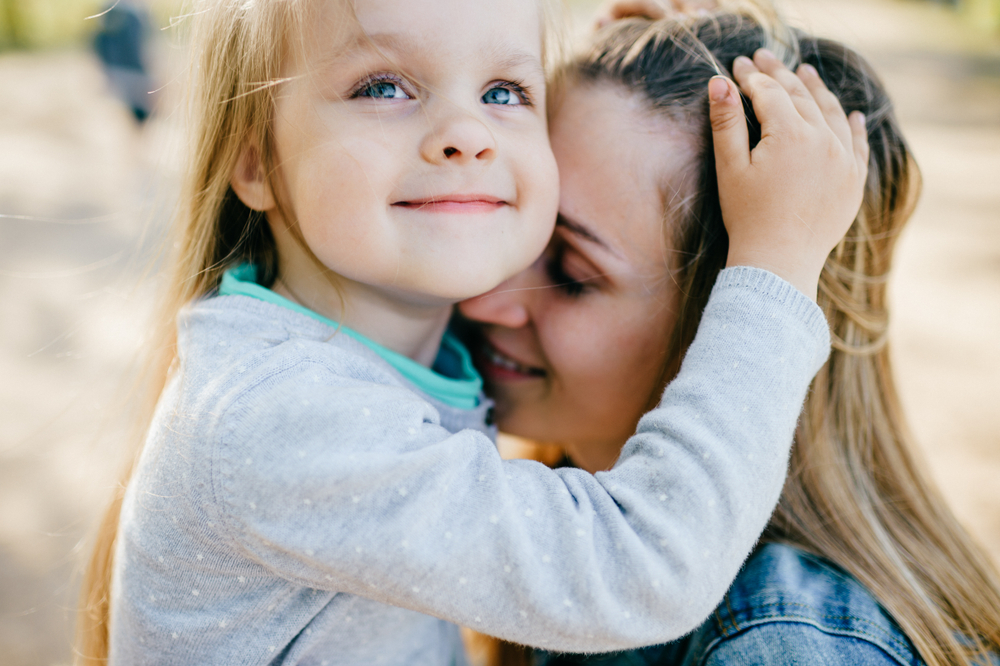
342,485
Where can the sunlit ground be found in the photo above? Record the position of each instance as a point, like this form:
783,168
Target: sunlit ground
80,184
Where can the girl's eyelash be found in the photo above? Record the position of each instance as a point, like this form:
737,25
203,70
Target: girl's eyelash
517,87
371,79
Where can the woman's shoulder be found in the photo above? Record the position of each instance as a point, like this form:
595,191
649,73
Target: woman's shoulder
788,606
785,607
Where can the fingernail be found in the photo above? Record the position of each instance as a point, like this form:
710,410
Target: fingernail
767,53
743,59
809,68
718,88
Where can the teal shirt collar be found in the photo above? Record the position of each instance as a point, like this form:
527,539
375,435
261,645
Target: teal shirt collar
461,390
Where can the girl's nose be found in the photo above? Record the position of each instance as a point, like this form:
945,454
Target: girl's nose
507,305
458,138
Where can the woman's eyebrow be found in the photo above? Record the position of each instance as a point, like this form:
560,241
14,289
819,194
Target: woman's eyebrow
583,232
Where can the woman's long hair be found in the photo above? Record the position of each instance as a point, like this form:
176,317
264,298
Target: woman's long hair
854,494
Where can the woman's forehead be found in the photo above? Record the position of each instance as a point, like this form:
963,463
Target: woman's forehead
624,129
621,163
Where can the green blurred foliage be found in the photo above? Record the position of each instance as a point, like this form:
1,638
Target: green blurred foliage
984,14
35,24
54,23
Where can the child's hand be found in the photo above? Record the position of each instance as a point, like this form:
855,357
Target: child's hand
787,203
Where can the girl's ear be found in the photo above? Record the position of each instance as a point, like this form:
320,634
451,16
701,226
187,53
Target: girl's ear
250,183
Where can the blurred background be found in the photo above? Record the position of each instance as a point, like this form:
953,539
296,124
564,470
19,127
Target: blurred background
88,178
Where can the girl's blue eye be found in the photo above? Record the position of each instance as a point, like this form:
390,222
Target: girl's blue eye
383,89
508,95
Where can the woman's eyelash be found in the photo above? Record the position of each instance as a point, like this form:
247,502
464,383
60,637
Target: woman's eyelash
561,280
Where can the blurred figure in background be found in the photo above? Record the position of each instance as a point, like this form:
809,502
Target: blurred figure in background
120,43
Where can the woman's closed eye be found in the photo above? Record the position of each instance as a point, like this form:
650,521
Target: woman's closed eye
567,273
506,93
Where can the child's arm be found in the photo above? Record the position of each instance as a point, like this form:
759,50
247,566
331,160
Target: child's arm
352,487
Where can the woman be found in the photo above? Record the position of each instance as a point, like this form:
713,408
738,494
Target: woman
862,562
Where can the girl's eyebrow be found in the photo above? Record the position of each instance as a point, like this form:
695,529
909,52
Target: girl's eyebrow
506,57
583,232
502,55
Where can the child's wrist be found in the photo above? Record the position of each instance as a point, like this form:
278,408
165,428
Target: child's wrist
801,275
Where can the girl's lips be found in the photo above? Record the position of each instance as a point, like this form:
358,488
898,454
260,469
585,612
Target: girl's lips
498,366
454,203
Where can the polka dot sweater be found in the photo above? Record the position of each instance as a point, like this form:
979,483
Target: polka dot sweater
297,501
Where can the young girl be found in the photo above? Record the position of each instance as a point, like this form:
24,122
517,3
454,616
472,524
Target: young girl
318,479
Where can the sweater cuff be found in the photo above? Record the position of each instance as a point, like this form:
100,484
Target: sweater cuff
763,289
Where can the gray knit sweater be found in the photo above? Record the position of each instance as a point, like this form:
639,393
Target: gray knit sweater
298,502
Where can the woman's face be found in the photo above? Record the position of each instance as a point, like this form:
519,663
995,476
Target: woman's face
573,347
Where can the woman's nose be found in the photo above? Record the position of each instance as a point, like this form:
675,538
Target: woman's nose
507,305
458,137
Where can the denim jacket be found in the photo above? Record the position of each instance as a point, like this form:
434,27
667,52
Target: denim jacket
786,607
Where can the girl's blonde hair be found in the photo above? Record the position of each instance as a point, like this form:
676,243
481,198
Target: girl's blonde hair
855,494
238,49
237,52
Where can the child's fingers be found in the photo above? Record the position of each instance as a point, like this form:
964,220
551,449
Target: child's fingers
729,126
800,95
828,104
771,102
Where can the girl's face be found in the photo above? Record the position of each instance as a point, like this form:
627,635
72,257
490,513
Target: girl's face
574,345
412,145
